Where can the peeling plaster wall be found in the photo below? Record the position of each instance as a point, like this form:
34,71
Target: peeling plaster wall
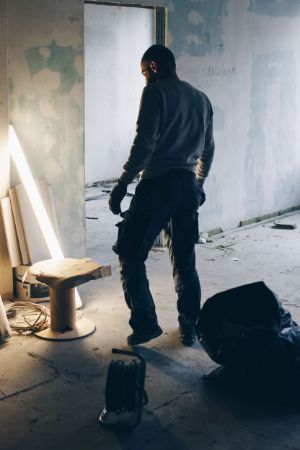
245,55
45,51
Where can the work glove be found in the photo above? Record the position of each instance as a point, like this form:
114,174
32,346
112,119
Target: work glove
116,196
200,182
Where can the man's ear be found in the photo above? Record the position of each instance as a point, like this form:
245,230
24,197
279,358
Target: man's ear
153,66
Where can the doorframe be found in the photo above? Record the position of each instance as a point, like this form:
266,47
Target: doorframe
160,17
160,30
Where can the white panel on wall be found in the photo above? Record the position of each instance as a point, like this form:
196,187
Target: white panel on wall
115,39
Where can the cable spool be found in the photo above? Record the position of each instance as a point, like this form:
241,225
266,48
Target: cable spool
125,395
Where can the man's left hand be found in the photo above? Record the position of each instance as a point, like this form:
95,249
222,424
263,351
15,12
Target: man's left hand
116,196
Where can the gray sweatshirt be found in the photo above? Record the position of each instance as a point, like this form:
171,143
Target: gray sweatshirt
174,131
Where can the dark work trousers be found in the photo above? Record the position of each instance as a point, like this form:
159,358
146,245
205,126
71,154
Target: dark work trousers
170,203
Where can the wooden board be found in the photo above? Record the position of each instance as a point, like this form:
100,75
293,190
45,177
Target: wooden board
47,197
19,225
35,242
10,232
36,245
6,275
5,331
6,283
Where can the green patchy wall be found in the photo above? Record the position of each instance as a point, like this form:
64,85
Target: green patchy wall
243,54
45,53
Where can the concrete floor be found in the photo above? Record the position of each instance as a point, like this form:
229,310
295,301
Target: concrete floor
52,393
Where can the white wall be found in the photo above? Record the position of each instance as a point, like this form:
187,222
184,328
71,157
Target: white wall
115,39
245,55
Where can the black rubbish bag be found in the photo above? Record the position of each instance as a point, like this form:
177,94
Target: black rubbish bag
248,332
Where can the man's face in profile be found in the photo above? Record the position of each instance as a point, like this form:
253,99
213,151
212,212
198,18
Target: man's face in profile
149,71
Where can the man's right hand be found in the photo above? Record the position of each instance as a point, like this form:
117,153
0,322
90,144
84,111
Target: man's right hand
200,181
116,196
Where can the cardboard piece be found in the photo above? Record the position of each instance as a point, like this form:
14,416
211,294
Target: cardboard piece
6,275
30,290
10,232
5,331
62,276
19,225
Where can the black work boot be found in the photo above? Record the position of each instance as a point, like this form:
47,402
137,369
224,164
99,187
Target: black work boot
187,334
139,337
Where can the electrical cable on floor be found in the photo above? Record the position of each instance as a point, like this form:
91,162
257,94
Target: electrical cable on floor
27,317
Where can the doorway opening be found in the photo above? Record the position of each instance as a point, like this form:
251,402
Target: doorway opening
115,37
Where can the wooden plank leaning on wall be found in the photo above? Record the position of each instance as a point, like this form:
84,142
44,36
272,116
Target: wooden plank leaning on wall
6,283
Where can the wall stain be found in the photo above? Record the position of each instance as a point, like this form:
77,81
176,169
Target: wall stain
11,88
11,85
198,27
275,8
73,19
60,59
42,125
219,71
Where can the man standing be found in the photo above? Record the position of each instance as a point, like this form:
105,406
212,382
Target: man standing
173,148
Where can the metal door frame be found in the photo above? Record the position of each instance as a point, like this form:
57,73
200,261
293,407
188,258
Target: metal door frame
160,17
